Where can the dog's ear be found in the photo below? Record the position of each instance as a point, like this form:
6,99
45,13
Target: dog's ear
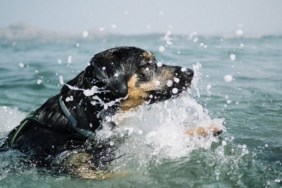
112,75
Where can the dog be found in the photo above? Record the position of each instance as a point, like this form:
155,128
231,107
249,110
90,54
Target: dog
61,133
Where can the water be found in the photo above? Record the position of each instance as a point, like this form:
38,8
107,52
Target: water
238,85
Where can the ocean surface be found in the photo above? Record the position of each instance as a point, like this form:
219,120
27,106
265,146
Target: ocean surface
237,85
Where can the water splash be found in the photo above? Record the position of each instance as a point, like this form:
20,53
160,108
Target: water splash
157,132
9,118
154,133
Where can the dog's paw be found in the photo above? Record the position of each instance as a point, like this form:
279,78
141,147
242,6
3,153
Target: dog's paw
204,131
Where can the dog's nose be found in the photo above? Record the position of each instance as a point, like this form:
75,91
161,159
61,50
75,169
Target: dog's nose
187,72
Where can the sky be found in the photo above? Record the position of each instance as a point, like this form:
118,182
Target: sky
207,17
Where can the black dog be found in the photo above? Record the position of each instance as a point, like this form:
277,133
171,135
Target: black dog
59,132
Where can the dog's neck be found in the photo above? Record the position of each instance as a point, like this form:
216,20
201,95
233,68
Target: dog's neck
72,120
90,109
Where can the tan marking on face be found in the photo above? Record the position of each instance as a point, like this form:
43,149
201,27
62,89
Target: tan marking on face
148,56
158,82
136,95
150,86
166,74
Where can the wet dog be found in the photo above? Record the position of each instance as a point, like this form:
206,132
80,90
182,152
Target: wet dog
61,133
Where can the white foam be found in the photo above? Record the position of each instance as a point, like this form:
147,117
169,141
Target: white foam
92,91
168,38
9,118
196,78
157,132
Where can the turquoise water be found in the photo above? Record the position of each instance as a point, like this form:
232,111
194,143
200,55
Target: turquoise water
239,83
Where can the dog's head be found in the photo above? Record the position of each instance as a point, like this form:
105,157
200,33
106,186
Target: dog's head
135,75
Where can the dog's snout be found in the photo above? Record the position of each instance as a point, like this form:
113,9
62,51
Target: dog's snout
187,72
190,72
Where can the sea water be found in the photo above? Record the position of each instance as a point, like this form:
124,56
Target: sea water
237,86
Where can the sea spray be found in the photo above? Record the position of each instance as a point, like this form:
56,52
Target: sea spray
154,133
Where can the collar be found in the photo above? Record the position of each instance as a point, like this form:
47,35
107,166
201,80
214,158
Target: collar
73,121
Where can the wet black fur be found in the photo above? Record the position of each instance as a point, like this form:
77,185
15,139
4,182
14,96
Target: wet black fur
109,71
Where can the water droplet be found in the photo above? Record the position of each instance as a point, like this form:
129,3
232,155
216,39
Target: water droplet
157,82
39,81
228,101
59,61
169,83
61,79
228,78
174,90
70,98
176,80
21,65
239,32
159,64
85,34
70,59
232,57
196,39
108,118
183,69
161,48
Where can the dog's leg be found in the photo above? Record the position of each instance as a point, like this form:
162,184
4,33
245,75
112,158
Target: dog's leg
81,165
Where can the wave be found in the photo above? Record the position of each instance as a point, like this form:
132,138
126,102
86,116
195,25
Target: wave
23,31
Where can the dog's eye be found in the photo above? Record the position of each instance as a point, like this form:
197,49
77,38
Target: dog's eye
144,74
148,67
147,64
